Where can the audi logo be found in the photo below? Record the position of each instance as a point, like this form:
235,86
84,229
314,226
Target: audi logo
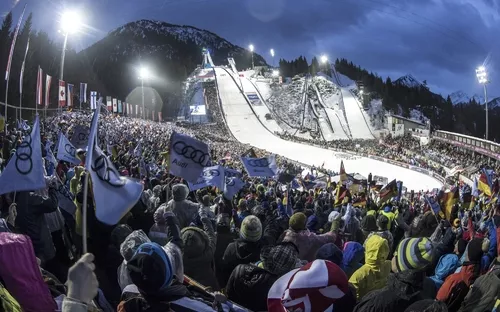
70,149
24,163
105,172
211,173
259,162
63,190
189,152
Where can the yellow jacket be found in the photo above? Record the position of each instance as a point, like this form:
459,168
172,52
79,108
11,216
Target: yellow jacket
373,274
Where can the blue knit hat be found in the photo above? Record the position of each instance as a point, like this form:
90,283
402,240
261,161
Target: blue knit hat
150,268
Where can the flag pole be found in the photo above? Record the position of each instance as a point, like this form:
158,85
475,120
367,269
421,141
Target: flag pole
9,63
84,211
21,76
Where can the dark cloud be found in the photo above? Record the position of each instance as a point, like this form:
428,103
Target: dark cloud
441,41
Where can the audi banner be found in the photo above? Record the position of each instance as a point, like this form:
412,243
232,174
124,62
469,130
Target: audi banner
232,187
211,176
188,157
260,167
66,151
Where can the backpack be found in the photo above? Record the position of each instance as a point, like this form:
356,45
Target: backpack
7,302
457,296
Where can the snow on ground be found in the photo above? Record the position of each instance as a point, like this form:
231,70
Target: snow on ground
376,113
329,92
287,100
247,129
354,114
345,81
264,87
418,116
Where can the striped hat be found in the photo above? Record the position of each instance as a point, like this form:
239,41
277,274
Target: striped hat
317,286
251,229
414,254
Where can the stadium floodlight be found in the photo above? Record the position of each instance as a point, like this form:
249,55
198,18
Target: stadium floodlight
324,59
251,47
361,92
272,52
143,75
482,78
70,22
276,73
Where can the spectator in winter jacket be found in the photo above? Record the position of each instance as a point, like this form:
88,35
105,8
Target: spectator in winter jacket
158,232
471,269
354,253
246,249
185,210
199,249
382,224
249,284
331,253
373,274
408,284
308,243
30,220
446,266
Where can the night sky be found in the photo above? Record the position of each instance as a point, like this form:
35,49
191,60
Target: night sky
441,41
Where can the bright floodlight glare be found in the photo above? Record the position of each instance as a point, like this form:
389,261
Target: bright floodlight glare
143,73
324,59
70,22
272,52
482,75
251,47
276,73
360,91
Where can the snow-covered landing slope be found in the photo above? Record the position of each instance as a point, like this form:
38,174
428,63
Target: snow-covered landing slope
247,129
357,123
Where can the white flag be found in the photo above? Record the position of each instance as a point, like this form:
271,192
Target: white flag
24,172
80,137
93,99
232,187
211,176
114,195
188,157
66,151
65,198
260,167
138,150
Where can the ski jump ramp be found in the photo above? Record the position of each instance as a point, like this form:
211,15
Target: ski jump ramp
355,119
247,128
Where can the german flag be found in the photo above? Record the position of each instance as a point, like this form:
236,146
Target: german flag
450,199
388,191
485,183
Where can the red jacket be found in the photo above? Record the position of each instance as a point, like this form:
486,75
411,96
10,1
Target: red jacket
466,275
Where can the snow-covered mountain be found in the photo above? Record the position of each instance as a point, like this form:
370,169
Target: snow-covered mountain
460,97
173,51
409,81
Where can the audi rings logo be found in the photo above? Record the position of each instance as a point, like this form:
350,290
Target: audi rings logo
70,149
105,172
211,173
230,182
260,162
189,152
24,152
63,190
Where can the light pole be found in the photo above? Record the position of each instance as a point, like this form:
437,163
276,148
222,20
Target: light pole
70,23
143,74
251,51
272,55
482,77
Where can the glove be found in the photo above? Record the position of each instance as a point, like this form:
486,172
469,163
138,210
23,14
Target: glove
82,282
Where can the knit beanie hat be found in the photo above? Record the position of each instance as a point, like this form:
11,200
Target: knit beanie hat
414,254
298,221
331,253
475,250
251,229
382,222
150,268
280,259
317,286
242,203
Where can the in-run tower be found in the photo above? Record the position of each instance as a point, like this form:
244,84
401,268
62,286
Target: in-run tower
207,59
